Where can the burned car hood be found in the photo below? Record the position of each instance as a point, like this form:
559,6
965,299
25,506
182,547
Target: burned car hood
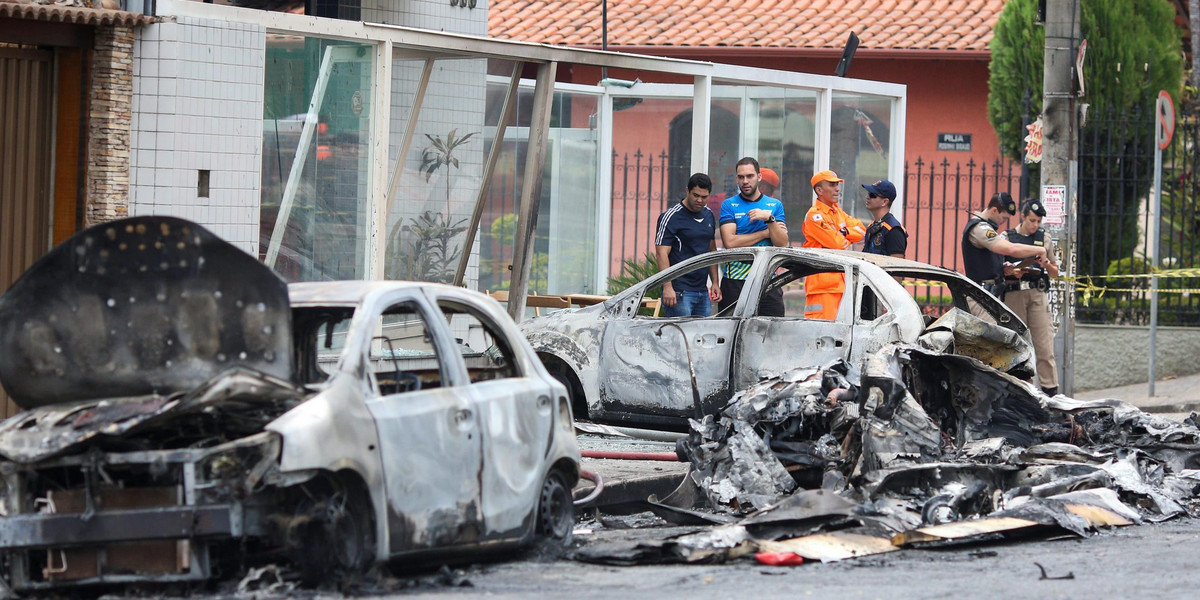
234,403
145,306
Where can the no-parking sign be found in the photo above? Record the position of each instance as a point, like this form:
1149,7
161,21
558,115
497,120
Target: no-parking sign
1164,128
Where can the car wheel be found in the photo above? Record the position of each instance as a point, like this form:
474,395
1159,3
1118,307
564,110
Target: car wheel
574,390
556,511
332,535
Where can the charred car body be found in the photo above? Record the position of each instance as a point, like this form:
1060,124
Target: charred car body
186,418
627,367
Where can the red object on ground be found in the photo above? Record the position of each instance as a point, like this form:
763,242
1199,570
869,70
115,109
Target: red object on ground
779,559
667,456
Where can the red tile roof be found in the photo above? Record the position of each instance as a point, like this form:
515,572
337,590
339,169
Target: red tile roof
71,12
880,24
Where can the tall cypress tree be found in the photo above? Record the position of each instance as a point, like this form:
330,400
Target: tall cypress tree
1134,50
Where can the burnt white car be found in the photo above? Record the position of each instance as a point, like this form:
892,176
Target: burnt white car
626,366
189,416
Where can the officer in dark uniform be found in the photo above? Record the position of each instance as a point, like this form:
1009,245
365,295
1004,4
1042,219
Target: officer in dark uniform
885,235
984,249
1026,290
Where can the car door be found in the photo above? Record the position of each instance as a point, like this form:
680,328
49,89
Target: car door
647,364
515,417
769,346
429,434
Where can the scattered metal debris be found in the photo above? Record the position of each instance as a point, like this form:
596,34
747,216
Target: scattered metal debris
1069,575
917,449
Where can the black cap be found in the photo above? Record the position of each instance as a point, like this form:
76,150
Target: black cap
1035,207
1006,202
882,188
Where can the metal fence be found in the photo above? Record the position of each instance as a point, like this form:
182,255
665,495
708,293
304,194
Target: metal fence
641,191
1115,221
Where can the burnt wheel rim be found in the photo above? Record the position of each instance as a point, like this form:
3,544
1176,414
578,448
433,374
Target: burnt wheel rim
556,514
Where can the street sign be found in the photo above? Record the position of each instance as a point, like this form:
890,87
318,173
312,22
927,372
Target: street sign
1165,129
954,142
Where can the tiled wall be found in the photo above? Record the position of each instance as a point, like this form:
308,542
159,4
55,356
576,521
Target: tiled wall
197,106
435,15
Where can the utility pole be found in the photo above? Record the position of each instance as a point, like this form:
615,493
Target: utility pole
1060,167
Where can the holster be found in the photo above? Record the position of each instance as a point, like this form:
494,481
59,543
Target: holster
996,287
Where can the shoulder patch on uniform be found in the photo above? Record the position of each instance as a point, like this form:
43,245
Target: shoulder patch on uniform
991,233
817,217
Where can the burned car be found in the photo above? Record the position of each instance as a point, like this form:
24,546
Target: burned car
626,366
189,415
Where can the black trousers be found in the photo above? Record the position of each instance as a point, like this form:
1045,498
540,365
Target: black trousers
770,305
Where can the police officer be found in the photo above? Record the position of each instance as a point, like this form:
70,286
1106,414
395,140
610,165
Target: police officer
1026,288
885,235
984,249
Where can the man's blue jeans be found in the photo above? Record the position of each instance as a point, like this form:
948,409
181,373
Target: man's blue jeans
694,304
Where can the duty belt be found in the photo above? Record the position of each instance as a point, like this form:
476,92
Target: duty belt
1015,286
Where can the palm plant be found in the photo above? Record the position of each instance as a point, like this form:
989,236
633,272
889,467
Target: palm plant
429,254
441,153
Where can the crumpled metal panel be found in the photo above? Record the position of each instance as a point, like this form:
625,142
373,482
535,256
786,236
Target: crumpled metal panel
48,431
998,347
140,306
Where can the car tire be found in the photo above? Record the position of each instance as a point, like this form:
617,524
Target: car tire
333,533
556,510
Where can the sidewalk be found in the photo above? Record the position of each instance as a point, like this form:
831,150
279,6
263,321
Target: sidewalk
1176,397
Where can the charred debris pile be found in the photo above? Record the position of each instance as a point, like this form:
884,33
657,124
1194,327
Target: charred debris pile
917,448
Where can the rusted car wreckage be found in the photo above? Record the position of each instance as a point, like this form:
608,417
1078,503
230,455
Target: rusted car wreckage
189,414
894,426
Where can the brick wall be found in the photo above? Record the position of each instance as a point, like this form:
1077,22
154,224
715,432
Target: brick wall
109,116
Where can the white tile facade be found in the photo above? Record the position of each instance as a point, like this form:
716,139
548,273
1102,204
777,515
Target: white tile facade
198,105
435,15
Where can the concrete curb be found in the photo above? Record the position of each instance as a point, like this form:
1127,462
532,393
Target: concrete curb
627,483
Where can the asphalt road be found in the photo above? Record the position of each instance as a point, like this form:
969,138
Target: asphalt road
1147,561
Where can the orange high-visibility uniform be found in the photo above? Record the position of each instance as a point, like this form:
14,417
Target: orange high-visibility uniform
823,226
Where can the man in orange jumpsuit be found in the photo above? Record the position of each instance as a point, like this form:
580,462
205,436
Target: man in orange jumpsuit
827,226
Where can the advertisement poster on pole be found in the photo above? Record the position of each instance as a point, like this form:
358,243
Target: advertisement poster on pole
1054,198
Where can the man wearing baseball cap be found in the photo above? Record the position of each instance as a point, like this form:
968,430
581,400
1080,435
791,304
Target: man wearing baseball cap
885,235
1026,289
984,249
827,226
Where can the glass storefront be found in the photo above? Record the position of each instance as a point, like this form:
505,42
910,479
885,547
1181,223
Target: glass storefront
432,200
566,236
608,173
315,161
859,145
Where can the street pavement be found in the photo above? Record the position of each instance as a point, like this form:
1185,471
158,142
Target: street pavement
629,482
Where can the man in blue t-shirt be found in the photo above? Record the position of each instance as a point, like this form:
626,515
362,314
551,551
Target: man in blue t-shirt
685,230
751,219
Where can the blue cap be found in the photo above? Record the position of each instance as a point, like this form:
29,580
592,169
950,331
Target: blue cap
883,188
